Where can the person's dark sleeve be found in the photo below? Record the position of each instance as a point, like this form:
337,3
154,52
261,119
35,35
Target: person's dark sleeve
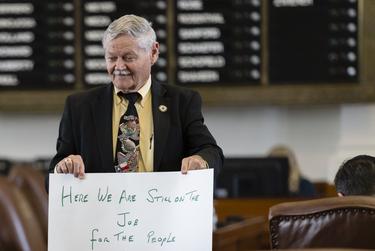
198,138
65,141
306,188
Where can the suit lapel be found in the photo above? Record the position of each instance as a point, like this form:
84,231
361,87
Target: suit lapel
161,120
101,109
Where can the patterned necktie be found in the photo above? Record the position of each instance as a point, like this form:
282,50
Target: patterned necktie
127,147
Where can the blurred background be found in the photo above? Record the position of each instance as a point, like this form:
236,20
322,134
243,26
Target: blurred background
288,92
297,73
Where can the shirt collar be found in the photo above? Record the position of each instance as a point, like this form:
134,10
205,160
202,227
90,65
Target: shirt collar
143,91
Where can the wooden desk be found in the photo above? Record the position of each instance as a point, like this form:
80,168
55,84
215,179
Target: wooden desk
247,208
250,234
250,207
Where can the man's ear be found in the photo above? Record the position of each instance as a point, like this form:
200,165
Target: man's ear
154,52
340,194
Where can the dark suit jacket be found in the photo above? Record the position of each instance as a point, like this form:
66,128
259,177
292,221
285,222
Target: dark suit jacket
86,129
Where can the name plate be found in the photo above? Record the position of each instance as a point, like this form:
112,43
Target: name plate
131,211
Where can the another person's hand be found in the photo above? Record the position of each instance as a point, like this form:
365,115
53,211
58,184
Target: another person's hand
72,164
193,162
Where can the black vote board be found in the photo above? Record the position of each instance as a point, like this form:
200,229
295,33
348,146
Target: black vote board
57,44
37,44
313,41
97,15
218,41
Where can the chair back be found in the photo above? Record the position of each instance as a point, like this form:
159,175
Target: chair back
19,229
336,222
31,183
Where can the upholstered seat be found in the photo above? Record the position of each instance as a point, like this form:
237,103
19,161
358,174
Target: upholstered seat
19,228
337,222
31,183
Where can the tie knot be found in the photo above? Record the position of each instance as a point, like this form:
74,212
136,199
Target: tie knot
131,97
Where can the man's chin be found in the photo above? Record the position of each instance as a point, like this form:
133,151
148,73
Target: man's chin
124,85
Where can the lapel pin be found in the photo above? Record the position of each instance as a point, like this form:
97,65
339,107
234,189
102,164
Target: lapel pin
163,108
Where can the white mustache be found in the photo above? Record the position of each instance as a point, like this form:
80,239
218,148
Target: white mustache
120,72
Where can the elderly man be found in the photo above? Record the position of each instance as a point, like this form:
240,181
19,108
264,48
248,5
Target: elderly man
134,124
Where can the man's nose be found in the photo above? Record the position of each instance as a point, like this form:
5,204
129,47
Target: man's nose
120,64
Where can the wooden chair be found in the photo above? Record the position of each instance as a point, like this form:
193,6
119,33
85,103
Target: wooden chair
337,222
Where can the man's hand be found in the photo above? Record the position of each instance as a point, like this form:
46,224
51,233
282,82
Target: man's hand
72,164
193,162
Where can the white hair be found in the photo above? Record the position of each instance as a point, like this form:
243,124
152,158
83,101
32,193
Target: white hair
134,26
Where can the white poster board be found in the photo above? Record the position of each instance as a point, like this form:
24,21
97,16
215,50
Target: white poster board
131,211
